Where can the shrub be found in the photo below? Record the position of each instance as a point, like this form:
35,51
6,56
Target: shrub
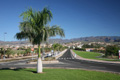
80,49
112,50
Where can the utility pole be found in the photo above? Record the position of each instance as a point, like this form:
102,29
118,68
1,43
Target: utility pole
4,46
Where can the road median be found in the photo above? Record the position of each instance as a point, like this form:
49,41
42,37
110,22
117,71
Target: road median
52,61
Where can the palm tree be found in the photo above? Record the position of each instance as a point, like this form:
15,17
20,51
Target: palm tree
9,51
35,28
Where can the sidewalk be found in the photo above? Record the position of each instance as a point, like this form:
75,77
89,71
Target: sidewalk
81,58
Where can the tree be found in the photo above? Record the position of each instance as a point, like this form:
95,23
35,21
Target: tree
92,46
112,50
28,51
9,52
34,28
80,49
57,47
1,52
21,52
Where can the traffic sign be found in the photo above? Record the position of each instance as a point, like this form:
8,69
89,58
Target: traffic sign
32,49
119,54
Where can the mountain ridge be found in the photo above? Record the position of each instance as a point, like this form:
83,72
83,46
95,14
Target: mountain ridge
81,39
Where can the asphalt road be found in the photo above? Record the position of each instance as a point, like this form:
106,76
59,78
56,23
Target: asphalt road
66,61
91,65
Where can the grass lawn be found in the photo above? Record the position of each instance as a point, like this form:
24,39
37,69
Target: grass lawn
92,55
56,74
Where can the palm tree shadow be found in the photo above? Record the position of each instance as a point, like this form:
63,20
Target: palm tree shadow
31,71
17,69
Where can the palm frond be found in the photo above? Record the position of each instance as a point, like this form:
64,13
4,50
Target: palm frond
56,30
34,26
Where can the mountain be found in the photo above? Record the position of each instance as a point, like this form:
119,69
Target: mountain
88,39
98,39
82,39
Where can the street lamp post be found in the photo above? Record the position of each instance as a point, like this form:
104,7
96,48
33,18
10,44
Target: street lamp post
32,50
4,47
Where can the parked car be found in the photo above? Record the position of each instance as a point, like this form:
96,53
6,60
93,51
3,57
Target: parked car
49,55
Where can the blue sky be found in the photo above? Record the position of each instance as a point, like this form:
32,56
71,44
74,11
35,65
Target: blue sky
78,18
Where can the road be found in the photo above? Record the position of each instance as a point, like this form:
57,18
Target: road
67,61
91,65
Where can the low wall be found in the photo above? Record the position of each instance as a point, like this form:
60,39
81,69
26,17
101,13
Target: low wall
60,54
18,58
45,62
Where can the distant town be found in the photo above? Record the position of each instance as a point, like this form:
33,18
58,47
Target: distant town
99,41
89,44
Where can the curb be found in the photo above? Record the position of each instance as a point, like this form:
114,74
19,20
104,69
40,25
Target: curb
45,62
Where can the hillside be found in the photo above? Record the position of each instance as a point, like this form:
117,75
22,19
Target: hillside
82,39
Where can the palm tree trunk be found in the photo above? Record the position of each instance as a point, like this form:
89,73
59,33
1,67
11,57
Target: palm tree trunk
39,62
8,56
39,54
1,56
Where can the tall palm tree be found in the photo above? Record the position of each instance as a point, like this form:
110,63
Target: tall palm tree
35,28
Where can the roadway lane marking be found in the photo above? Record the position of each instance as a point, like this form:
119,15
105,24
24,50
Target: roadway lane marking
66,58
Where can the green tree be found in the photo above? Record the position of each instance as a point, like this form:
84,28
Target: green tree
9,52
22,52
81,49
57,47
112,50
28,51
92,46
1,53
34,28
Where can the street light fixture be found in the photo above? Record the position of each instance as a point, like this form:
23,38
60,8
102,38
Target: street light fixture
4,47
